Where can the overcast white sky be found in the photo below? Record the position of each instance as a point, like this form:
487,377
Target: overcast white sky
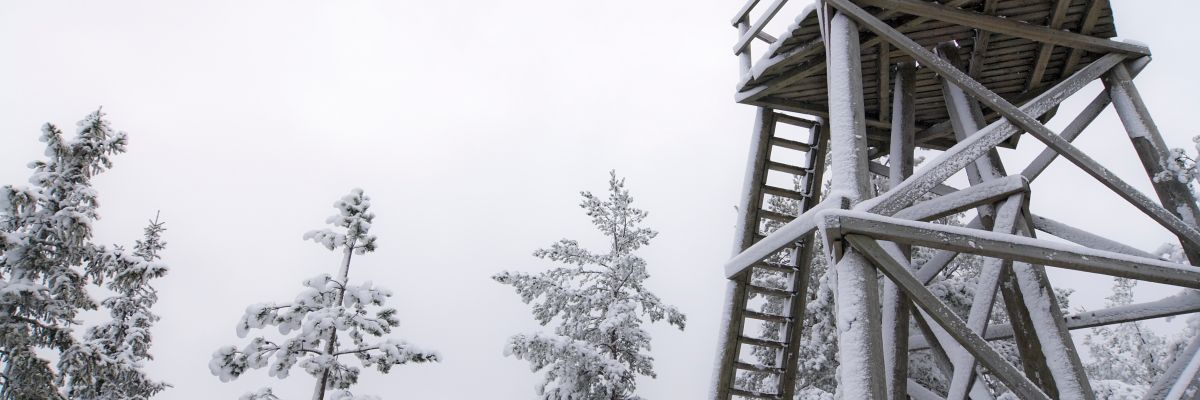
473,126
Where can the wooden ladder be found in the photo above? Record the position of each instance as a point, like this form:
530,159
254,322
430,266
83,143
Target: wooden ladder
793,266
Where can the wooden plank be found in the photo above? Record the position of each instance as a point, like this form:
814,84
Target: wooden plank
794,121
940,313
781,192
755,395
785,168
790,144
1007,26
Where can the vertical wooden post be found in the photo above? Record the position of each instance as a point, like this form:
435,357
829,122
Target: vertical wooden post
746,230
1152,150
900,160
858,314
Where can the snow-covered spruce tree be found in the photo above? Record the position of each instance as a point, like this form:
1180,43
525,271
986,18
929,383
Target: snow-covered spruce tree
1127,352
45,244
328,319
107,363
599,302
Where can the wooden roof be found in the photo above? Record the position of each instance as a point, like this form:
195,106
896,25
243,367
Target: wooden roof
791,75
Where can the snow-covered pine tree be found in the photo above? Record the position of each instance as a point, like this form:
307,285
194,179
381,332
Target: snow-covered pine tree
107,364
45,244
328,319
599,301
1127,352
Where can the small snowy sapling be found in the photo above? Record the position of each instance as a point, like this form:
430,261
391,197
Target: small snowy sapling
328,319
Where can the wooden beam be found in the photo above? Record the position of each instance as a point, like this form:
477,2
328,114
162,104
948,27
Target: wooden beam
861,374
985,298
1012,247
981,42
984,193
940,313
885,75
1153,152
1045,49
1086,26
1085,238
900,157
1185,302
1007,26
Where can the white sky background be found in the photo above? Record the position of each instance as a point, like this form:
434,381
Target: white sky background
473,126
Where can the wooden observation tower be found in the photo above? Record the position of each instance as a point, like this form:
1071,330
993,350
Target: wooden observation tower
876,78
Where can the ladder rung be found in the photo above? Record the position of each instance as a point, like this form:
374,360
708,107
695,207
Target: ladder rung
781,192
759,368
766,317
763,342
770,291
754,395
796,121
781,217
775,267
786,168
790,144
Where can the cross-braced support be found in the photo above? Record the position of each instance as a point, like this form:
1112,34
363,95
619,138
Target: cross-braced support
872,94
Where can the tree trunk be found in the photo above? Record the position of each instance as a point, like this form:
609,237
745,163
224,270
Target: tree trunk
331,343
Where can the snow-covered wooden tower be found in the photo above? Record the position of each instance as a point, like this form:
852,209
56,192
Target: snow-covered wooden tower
879,77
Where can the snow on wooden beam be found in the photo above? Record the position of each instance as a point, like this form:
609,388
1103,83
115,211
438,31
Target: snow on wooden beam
900,158
1012,247
1183,303
1004,26
1085,238
946,318
861,373
971,197
1153,152
985,298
